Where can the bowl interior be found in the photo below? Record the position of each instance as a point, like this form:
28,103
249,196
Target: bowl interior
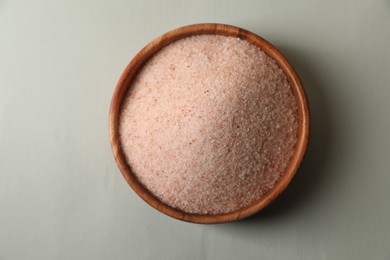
147,52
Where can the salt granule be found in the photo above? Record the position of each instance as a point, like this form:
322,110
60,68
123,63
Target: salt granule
209,124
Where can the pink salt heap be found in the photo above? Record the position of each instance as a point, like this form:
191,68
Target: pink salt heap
209,124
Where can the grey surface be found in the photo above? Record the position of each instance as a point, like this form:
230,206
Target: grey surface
62,196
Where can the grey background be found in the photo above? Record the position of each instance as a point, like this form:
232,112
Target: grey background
61,193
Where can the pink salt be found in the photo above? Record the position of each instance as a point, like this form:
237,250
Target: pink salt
209,124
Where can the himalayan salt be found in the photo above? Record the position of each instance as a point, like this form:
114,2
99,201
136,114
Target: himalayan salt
209,124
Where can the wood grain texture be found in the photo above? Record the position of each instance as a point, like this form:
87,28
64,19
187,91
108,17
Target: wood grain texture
148,51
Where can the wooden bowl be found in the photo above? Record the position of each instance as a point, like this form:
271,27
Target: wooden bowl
148,51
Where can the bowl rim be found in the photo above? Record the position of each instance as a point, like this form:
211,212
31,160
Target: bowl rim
144,55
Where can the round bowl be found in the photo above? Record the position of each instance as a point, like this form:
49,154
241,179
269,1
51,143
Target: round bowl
147,52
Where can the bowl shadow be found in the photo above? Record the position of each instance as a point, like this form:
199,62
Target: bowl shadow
305,186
